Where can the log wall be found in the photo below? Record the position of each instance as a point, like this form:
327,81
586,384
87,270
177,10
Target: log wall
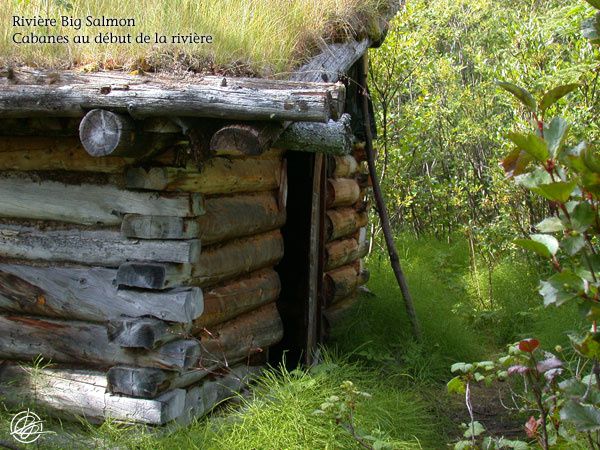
148,286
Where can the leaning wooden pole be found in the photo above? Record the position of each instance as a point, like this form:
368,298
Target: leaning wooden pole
381,207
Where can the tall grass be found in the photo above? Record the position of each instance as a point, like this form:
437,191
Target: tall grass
266,36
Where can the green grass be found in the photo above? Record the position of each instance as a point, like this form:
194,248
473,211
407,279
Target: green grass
263,37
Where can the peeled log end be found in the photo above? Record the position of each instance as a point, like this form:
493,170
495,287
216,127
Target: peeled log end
104,133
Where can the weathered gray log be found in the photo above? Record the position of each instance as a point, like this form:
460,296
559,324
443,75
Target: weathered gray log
227,301
241,337
340,283
83,393
91,247
144,332
226,218
88,204
89,294
343,222
105,133
236,99
153,275
244,139
332,138
342,166
237,257
342,192
218,176
27,338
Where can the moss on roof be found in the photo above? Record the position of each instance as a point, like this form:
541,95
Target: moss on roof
250,37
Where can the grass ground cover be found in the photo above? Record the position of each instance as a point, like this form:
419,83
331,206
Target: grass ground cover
264,37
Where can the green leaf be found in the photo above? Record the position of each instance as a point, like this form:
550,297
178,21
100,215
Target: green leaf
544,245
561,288
559,191
555,135
523,95
588,346
590,28
516,162
591,158
456,386
474,429
550,225
461,367
555,94
573,244
573,158
531,143
583,216
584,417
464,445
533,179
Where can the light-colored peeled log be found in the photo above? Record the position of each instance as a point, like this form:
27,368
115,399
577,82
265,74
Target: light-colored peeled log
224,302
339,253
218,176
335,313
83,393
343,222
342,166
244,139
241,337
238,257
342,192
89,294
225,218
332,138
91,247
27,338
340,283
88,204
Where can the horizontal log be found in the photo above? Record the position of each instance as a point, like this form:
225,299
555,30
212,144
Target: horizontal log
39,126
241,256
225,218
218,176
343,222
332,138
88,204
236,99
342,192
244,139
241,337
89,294
340,283
27,338
153,275
91,247
144,332
342,166
337,312
83,393
227,301
342,252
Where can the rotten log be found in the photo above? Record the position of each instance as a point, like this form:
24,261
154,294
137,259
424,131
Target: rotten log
88,204
27,338
342,192
332,138
144,332
91,247
225,218
83,393
227,301
241,256
343,222
236,99
218,176
89,294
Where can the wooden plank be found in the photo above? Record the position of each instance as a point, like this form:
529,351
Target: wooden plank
343,222
227,301
342,192
225,218
241,337
88,204
27,338
153,275
236,99
94,247
218,176
82,393
89,294
237,257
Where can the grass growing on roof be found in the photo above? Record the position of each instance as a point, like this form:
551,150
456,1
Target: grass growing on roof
265,37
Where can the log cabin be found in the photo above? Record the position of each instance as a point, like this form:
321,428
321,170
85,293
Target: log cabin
162,237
